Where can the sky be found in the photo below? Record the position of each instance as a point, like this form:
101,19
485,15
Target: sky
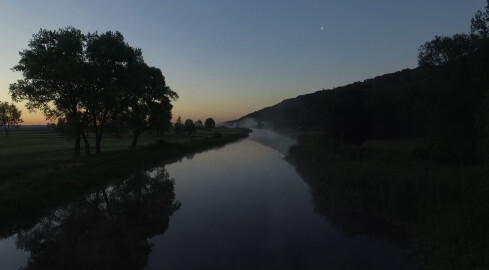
228,58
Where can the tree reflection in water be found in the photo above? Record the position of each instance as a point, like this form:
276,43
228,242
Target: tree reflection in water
109,229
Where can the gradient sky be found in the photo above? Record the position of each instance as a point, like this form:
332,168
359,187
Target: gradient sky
228,58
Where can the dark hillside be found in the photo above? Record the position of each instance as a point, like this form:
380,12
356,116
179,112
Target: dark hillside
442,102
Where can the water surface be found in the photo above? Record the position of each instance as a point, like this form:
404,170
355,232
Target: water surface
245,207
241,206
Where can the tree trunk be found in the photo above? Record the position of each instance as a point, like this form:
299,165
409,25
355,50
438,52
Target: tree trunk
6,131
135,139
98,139
87,144
77,142
78,129
99,131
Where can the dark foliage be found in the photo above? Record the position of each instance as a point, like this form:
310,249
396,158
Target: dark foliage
442,99
209,123
178,126
190,126
92,80
10,116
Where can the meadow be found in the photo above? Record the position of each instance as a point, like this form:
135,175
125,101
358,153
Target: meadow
38,170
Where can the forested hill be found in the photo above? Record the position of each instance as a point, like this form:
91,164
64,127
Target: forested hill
445,99
307,112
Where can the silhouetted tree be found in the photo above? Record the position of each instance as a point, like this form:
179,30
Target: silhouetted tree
189,126
86,79
178,127
54,80
62,127
199,124
444,49
51,127
108,60
480,23
148,100
10,116
209,123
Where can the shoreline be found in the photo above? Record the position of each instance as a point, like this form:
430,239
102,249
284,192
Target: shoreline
22,202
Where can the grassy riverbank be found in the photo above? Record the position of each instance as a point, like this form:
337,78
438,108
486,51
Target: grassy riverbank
444,207
37,171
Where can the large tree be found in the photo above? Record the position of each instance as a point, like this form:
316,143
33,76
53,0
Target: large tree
148,106
86,79
54,80
10,116
109,57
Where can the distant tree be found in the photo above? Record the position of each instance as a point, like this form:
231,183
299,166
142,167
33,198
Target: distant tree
178,127
65,127
189,126
51,127
10,116
209,123
54,76
199,124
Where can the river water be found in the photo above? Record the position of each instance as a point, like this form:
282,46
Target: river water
241,206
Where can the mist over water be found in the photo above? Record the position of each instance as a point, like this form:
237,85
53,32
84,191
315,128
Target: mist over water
245,207
273,140
241,206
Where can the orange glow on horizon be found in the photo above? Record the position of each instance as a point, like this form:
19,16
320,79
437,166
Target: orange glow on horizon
37,118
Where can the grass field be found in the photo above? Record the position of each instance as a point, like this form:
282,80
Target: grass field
38,170
40,143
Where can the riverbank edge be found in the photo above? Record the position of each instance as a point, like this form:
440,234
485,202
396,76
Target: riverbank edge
23,202
443,207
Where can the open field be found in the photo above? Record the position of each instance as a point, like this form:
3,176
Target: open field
38,170
41,144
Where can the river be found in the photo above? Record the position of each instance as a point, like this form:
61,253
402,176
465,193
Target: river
241,206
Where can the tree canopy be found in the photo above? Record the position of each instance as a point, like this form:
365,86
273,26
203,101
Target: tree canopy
442,50
147,105
90,80
209,123
190,126
10,116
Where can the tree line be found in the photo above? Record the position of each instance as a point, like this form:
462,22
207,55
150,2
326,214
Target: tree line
446,98
91,81
190,127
